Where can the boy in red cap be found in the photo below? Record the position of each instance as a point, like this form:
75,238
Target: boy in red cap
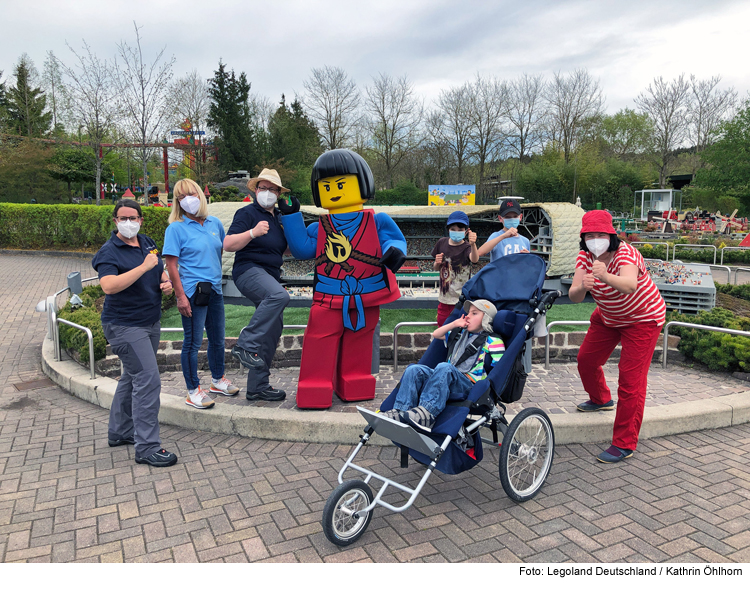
630,311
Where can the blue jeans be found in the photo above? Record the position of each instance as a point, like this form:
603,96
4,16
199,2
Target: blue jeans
212,317
430,388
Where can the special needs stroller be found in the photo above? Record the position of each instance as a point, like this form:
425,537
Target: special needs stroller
514,284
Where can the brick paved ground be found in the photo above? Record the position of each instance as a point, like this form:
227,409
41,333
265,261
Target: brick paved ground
556,391
66,496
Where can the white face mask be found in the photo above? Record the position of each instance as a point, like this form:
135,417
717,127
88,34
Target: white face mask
266,198
128,229
191,204
598,246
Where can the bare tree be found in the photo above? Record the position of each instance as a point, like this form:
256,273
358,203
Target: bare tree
666,104
262,109
488,105
332,101
451,125
395,115
572,102
190,100
145,104
709,107
52,82
526,115
439,154
93,102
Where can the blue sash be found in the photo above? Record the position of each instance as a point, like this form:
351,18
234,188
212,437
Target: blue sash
348,287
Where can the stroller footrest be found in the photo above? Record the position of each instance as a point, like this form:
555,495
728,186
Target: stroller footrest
400,433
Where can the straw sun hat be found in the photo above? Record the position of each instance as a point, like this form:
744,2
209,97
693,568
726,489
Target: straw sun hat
270,175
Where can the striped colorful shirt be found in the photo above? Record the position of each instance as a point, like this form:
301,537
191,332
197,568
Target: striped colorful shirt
493,346
622,309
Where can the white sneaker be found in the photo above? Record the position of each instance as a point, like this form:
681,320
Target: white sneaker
224,386
199,399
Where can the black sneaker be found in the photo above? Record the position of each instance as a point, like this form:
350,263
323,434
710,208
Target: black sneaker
270,395
119,442
248,359
159,459
589,406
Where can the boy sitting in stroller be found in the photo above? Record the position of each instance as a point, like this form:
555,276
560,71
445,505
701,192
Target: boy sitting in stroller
472,350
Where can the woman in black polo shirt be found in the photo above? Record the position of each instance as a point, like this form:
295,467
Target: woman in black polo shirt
258,239
132,276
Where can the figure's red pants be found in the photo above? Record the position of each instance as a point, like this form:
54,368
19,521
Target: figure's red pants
638,343
336,358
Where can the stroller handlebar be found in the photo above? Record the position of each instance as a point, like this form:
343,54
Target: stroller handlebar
541,306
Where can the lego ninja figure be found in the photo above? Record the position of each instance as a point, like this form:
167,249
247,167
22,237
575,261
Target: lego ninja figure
356,254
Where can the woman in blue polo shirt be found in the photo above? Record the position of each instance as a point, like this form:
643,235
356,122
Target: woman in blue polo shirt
193,240
133,279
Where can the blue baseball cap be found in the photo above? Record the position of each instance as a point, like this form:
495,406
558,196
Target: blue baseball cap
458,217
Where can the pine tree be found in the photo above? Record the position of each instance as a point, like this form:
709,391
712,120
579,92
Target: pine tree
231,116
293,136
26,105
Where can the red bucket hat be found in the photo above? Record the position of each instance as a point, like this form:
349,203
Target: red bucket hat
597,220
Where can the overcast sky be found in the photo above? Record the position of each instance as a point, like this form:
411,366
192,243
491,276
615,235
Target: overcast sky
436,43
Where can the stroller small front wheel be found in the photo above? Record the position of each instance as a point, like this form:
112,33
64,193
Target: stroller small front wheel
526,454
344,522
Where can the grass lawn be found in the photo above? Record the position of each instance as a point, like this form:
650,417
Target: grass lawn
237,317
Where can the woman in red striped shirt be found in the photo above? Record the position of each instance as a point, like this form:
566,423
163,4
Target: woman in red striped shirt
630,311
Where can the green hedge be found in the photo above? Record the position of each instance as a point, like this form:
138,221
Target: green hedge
720,352
736,291
74,227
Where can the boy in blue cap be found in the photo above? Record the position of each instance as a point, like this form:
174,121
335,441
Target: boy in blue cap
453,257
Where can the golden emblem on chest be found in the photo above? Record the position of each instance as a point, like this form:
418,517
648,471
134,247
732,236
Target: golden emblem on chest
338,247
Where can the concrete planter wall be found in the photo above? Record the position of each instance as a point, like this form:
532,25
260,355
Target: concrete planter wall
411,346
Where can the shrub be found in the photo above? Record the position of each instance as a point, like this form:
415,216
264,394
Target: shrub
88,316
736,291
403,194
75,227
718,351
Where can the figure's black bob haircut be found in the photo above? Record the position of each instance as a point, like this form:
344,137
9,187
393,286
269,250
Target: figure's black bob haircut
340,162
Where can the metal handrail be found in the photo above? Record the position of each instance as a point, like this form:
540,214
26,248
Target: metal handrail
675,245
89,334
736,272
729,272
659,243
395,338
559,323
741,333
731,248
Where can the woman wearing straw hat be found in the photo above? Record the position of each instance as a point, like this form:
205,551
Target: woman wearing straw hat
257,238
630,311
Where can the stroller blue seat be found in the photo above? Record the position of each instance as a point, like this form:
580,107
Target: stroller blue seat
510,326
514,285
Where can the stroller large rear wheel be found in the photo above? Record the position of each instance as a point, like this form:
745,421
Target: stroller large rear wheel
343,519
526,454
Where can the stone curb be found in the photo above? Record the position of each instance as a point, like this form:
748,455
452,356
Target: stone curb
345,428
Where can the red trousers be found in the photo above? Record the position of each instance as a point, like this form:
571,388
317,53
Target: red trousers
336,358
444,310
638,343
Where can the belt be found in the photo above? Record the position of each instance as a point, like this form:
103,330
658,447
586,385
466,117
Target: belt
350,287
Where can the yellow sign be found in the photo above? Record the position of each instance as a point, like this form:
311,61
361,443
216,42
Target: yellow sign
451,194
